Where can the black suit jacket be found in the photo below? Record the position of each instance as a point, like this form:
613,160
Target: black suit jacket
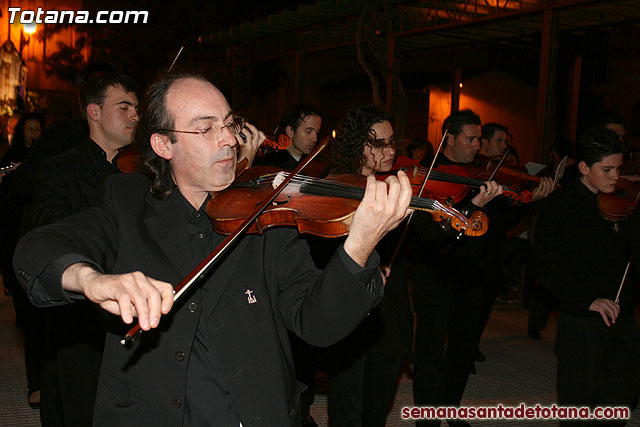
145,384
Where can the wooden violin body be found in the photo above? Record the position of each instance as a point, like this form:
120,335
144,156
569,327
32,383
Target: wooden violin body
323,207
620,204
454,182
513,176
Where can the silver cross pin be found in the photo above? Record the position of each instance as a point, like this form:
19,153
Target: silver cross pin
250,298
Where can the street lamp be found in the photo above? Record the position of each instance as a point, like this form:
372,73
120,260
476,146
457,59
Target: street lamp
25,34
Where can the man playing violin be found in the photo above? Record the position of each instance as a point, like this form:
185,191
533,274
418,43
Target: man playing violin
581,257
448,280
221,355
302,124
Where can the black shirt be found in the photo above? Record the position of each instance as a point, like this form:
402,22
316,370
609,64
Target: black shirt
70,182
208,402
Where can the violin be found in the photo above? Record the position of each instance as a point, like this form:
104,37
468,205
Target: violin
127,159
455,181
619,204
513,176
279,142
323,207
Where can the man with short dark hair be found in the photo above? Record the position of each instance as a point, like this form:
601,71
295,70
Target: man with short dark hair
581,258
302,124
222,355
448,278
494,141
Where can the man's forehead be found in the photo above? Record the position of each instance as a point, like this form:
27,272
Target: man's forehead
470,129
117,91
194,99
310,118
499,135
614,160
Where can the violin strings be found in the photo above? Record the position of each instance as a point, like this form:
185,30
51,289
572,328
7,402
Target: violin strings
456,179
323,187
446,177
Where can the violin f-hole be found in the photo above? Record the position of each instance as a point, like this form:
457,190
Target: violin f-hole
281,202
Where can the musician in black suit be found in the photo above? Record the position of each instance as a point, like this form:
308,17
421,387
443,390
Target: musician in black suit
581,257
221,355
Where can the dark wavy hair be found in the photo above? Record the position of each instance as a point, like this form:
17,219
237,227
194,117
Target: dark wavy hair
154,118
458,119
94,89
596,144
352,134
295,114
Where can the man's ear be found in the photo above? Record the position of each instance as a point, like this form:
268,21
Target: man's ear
583,168
289,130
161,145
94,112
450,139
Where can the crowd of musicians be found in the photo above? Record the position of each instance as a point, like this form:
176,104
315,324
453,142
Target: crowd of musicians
88,252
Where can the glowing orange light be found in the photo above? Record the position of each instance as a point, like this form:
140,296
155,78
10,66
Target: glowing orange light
460,85
29,28
333,133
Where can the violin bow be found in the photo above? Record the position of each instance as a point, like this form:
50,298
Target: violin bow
624,278
396,252
504,156
206,264
176,58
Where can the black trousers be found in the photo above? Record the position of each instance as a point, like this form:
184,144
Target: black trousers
448,317
70,377
363,369
361,392
597,366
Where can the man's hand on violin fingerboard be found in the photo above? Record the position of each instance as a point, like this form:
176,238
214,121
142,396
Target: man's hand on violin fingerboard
543,189
383,207
249,139
489,191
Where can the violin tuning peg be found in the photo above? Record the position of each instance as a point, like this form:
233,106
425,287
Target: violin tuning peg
446,224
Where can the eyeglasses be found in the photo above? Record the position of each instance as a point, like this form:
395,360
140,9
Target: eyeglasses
214,133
